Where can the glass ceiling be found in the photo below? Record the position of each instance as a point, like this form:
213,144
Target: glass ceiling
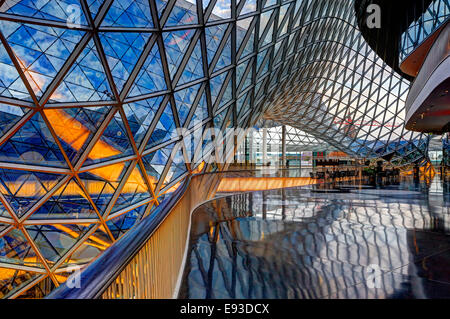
92,93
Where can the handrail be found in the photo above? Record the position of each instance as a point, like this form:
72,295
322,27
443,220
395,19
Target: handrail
99,274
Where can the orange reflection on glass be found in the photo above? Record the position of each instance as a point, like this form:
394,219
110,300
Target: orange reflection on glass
199,169
246,184
75,134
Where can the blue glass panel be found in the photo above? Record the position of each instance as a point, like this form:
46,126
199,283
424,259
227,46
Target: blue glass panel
194,66
242,28
33,144
225,56
200,113
183,12
164,130
9,116
151,77
249,6
140,115
221,10
85,81
57,10
121,224
40,50
215,85
177,168
219,119
271,3
11,84
94,7
122,52
155,162
129,13
160,5
240,72
176,44
184,99
214,36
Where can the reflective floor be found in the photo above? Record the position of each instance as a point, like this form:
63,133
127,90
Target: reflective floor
341,241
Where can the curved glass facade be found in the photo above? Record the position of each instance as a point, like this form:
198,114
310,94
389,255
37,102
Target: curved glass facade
432,19
92,94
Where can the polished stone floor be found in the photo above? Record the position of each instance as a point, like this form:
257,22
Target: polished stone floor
342,241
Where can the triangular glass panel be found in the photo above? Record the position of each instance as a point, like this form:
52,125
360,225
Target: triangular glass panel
176,44
15,249
68,202
75,127
259,60
225,56
184,99
129,13
240,104
101,183
183,13
283,29
219,119
9,116
265,18
221,10
160,5
33,144
98,242
86,80
11,84
242,27
216,85
122,50
40,50
22,189
134,191
114,143
194,67
14,280
94,7
249,6
270,3
151,76
200,113
214,37
53,241
55,10
177,167
164,130
140,115
240,73
121,224
155,162
3,211
191,143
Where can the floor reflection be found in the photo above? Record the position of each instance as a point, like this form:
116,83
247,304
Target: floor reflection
346,241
